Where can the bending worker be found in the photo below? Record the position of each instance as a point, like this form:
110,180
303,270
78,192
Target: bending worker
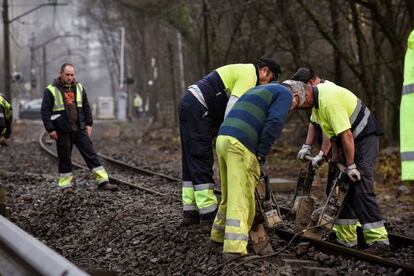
201,112
6,118
67,117
244,141
307,76
352,129
407,114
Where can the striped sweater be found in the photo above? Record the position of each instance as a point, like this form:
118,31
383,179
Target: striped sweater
257,118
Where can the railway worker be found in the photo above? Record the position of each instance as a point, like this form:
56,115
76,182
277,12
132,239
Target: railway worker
244,140
138,105
201,112
407,114
67,117
6,119
307,76
354,133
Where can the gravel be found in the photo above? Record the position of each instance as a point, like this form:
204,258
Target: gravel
129,231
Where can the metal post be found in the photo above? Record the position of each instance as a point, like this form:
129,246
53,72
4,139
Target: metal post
44,75
6,33
121,62
32,68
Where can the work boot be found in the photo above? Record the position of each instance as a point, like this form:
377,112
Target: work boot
68,190
379,249
191,218
107,186
208,219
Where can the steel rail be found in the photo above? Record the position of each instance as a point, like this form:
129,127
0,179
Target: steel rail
338,250
140,170
395,239
22,254
111,179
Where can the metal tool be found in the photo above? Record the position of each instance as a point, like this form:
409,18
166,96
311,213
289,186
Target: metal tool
303,203
267,216
325,217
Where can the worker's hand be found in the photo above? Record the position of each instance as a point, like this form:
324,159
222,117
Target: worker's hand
317,160
89,130
304,151
353,173
53,135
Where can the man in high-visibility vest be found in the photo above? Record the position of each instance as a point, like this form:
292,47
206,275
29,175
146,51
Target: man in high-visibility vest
201,111
6,118
67,117
407,114
307,76
138,105
354,133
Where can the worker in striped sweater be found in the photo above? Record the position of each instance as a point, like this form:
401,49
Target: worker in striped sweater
244,140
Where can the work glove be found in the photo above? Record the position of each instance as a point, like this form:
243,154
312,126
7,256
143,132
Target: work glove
317,160
305,150
353,173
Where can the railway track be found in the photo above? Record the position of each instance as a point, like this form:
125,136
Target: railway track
113,162
322,246
396,241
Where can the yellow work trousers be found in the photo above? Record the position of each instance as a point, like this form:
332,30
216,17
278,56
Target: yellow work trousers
239,173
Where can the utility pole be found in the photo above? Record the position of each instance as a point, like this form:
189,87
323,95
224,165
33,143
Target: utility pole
32,67
6,34
44,74
205,19
121,62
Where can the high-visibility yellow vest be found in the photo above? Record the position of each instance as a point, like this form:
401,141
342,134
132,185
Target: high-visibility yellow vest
7,113
58,104
7,108
407,114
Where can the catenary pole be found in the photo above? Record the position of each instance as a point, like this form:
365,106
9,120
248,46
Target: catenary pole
6,37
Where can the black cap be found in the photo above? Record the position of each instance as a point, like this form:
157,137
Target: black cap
272,65
303,74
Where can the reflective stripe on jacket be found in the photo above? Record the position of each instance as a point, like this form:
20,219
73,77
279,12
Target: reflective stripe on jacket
337,109
407,114
59,104
53,110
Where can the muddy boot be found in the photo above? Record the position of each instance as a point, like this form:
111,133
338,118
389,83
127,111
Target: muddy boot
107,186
378,249
68,190
191,218
207,220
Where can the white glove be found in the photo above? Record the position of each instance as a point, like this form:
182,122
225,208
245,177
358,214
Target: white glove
317,160
353,173
305,150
